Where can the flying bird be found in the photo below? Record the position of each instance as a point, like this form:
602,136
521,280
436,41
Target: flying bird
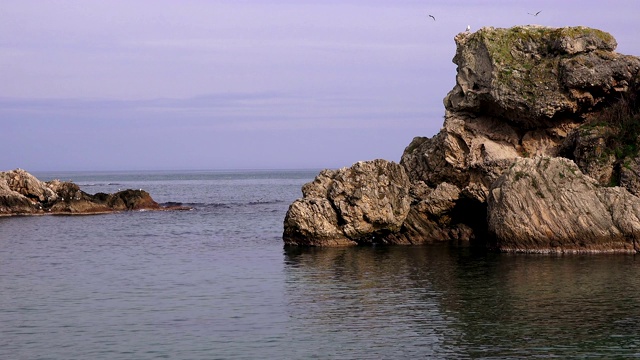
433,17
536,14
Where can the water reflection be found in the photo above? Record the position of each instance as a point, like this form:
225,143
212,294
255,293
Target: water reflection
447,302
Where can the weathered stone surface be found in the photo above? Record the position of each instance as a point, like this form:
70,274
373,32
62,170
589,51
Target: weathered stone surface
630,175
350,206
572,41
431,218
23,183
314,222
533,75
524,92
370,197
23,194
588,148
465,141
548,205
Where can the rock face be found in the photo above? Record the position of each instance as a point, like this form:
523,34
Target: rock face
548,205
356,205
22,194
556,107
534,76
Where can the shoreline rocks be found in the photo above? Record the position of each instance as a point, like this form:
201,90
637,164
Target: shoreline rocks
539,152
23,194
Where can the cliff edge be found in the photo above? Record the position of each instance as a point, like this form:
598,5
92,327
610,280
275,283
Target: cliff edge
538,153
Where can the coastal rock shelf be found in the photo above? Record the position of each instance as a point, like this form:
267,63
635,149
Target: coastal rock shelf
23,194
539,152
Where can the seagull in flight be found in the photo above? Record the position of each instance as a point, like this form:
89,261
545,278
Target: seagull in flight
433,17
536,14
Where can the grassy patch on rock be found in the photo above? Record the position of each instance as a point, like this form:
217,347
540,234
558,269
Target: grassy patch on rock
623,118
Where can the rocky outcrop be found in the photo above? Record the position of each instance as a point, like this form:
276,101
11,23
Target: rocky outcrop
527,101
23,194
356,205
535,76
548,205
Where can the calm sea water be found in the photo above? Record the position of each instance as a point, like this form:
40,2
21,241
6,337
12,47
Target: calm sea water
216,283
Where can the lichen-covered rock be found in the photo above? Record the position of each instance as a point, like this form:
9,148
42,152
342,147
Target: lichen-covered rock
548,205
360,204
533,75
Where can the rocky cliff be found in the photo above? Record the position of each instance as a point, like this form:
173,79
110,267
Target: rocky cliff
538,153
23,194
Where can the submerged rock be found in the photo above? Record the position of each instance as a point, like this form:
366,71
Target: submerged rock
23,194
529,101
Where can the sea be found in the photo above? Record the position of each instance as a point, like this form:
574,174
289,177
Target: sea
216,282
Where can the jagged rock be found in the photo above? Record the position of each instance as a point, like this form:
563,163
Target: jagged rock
524,92
23,194
464,142
431,217
27,185
350,206
314,222
548,205
535,75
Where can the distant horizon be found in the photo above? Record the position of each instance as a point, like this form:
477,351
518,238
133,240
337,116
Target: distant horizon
170,170
163,84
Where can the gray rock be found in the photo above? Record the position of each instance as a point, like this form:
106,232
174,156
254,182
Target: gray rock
548,205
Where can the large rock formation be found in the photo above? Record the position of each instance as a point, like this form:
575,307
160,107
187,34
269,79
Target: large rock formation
524,96
23,194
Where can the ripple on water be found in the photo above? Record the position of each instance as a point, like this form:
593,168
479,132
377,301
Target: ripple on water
216,283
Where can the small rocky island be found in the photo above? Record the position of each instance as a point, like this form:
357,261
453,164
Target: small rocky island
23,194
539,152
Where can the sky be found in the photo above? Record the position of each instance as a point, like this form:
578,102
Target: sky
92,85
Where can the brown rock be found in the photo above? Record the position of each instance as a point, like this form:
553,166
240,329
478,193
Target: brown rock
22,194
360,204
525,92
548,205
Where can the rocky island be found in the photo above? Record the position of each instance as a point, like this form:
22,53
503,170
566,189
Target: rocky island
539,152
23,194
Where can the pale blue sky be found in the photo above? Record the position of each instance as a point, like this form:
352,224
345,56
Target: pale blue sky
171,85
